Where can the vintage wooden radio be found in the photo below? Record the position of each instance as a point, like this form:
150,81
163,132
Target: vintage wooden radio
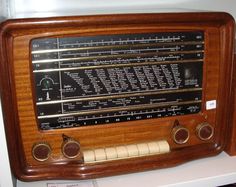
93,96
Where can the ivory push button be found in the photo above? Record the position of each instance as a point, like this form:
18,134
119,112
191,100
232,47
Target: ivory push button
111,153
122,152
100,154
164,146
143,149
132,150
89,156
205,131
153,147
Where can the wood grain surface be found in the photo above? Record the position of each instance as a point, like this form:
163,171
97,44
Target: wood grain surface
231,145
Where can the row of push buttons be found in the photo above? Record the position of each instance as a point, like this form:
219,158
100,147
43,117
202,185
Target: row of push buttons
126,151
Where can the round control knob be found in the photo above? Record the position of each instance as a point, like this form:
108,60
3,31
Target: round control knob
180,134
70,148
41,151
205,131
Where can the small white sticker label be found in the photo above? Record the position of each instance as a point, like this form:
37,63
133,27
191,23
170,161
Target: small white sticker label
80,184
211,104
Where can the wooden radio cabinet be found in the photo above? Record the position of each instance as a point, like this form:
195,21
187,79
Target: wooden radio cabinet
93,96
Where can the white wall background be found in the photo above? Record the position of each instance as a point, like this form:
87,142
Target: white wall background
22,8
3,8
5,172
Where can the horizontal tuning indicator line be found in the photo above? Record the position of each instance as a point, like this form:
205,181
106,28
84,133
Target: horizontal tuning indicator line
117,65
125,41
120,96
134,46
117,56
115,109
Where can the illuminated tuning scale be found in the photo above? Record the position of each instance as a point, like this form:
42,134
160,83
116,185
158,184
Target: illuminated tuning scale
104,79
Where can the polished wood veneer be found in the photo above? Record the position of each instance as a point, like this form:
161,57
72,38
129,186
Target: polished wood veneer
18,97
231,145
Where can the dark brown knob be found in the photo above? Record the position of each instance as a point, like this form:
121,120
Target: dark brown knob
180,134
41,151
70,148
205,131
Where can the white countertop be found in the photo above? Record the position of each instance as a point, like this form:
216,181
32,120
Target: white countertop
207,172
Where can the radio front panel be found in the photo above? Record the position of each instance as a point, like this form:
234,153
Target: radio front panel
102,79
94,96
